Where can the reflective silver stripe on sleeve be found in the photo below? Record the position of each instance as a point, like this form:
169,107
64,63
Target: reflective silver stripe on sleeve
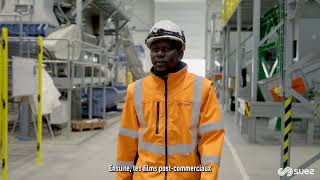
138,101
212,126
124,163
197,95
210,159
139,111
128,132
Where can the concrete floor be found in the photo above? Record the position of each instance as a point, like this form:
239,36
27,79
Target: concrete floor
86,155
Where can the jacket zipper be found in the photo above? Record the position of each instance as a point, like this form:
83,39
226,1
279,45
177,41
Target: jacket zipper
166,124
157,120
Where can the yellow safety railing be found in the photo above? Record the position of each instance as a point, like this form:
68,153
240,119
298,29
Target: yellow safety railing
4,102
227,8
39,138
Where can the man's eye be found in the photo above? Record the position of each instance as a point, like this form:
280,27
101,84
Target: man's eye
155,49
165,49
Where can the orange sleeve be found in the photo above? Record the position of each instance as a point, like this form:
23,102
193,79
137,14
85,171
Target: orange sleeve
211,135
127,144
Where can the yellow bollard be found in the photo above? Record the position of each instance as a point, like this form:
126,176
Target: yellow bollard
129,77
39,138
4,103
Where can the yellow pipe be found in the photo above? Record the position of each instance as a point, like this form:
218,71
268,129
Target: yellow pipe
39,139
4,103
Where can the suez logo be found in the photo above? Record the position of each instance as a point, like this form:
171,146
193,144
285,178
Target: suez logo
289,171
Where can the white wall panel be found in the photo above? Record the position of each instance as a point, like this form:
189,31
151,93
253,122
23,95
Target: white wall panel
190,15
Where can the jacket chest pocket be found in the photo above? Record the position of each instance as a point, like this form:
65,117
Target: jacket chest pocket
154,117
182,114
180,122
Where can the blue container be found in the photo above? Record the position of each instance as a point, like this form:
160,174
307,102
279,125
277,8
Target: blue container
112,98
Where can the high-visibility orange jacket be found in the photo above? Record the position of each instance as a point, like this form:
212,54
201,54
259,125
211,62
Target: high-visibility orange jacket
173,122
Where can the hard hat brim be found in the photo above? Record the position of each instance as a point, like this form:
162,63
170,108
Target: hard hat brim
152,39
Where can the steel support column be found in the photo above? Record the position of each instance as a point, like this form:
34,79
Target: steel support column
104,102
90,102
101,29
223,62
69,95
212,65
69,113
286,84
255,59
79,13
102,24
226,68
238,64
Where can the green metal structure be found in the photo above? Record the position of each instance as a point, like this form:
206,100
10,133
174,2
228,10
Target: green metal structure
271,51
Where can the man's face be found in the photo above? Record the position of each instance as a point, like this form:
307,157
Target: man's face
164,55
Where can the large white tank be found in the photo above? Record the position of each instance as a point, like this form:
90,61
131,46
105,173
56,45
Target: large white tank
60,47
31,11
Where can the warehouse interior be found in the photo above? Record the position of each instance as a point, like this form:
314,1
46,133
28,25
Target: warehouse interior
66,64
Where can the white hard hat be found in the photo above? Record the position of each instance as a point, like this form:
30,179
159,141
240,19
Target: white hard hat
165,29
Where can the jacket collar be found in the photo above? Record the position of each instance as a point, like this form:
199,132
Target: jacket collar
180,65
175,76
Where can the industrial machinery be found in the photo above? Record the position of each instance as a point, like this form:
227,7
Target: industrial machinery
81,43
281,62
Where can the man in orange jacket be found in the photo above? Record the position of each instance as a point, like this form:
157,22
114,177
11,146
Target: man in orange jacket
171,126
